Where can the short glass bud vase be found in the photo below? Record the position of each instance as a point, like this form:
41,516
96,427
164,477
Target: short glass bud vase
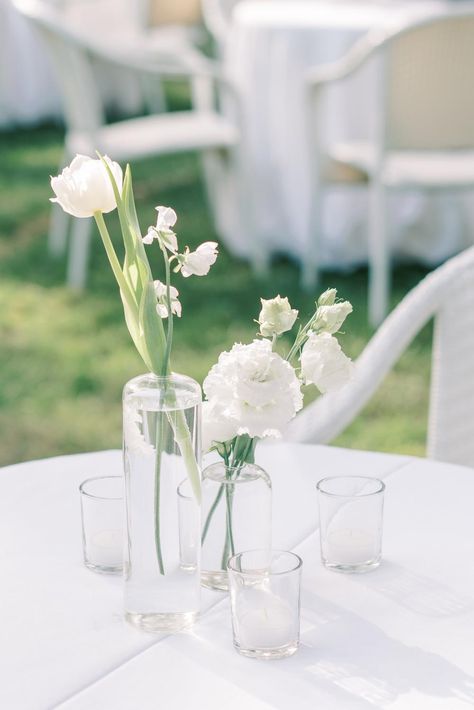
161,426
236,516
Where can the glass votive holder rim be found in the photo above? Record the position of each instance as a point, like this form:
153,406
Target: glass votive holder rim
380,486
252,472
298,562
93,479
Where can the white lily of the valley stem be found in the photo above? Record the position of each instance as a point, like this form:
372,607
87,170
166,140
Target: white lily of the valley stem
162,307
199,262
166,219
84,187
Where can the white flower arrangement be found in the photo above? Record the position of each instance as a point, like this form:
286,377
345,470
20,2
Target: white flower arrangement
252,392
91,188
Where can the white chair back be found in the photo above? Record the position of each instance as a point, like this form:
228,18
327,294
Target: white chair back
448,295
73,67
430,85
217,18
174,12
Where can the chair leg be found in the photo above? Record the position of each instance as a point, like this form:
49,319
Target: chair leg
58,231
59,220
312,255
79,253
379,254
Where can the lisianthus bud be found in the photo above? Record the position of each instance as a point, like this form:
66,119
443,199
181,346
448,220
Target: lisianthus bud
84,187
324,364
327,298
276,316
329,319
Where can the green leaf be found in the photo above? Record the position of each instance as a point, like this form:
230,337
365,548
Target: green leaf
151,327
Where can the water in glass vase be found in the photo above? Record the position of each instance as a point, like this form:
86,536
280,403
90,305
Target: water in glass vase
236,516
161,448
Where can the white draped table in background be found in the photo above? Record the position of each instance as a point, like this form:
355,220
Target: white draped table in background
399,638
271,46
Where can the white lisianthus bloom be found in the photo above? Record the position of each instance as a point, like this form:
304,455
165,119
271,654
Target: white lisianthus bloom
200,261
84,187
276,316
330,318
217,428
162,306
324,364
254,387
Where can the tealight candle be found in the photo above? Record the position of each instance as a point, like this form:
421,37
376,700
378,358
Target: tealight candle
350,546
102,523
350,516
265,601
264,620
105,548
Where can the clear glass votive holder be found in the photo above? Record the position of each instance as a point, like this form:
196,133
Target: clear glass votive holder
265,602
102,509
351,516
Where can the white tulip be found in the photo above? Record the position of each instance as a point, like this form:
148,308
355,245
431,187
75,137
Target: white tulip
200,261
162,306
276,316
84,187
324,364
330,318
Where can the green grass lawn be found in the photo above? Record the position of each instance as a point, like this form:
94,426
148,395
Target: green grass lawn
64,357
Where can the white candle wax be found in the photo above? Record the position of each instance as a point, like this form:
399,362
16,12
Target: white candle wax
105,548
264,621
349,546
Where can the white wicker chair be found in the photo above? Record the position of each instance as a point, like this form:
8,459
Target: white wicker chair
217,16
448,295
201,129
424,134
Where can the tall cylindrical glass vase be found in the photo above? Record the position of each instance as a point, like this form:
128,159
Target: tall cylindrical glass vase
161,425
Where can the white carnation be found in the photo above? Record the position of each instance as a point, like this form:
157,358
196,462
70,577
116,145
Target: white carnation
255,388
324,364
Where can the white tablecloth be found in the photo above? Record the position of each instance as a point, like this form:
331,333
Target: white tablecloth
400,637
271,46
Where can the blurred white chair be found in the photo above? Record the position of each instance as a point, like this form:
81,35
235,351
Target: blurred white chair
202,128
447,294
217,18
424,134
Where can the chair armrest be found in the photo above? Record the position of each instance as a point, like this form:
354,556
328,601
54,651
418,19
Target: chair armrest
320,76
